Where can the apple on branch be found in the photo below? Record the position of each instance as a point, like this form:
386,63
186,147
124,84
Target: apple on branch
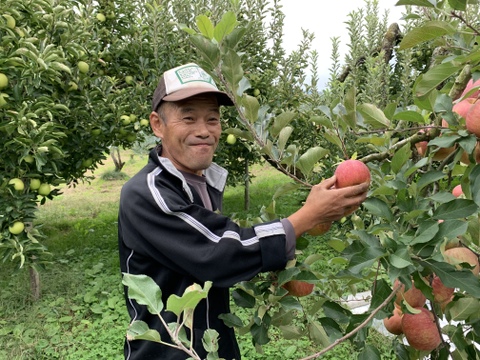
413,296
421,330
351,172
393,323
298,288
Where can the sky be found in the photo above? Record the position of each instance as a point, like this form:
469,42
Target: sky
326,22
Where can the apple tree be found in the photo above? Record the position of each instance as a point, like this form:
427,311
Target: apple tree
412,232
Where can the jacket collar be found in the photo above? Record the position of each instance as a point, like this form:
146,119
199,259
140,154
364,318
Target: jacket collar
215,175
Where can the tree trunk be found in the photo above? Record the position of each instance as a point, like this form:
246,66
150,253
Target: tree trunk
117,160
34,283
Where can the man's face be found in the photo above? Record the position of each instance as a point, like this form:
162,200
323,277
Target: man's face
190,132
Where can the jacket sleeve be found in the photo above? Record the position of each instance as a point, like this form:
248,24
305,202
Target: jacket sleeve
159,221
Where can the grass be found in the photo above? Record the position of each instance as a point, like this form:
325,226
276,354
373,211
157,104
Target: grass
81,313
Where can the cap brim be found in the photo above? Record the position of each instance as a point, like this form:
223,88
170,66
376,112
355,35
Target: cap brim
223,98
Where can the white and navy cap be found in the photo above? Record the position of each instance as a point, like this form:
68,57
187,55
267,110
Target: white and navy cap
186,81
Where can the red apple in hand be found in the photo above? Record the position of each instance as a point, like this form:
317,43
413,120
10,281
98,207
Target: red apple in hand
298,288
393,324
421,330
351,172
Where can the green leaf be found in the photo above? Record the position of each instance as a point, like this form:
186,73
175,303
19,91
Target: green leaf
425,232
139,330
378,207
310,158
281,121
210,340
251,107
260,333
283,138
291,332
434,77
373,116
458,4
232,70
231,320
382,291
144,291
455,209
401,258
465,280
243,299
369,352
190,298
318,334
463,308
363,260
350,106
429,31
428,178
209,51
409,115
425,3
205,26
225,26
400,158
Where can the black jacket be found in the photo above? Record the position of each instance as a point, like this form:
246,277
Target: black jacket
165,232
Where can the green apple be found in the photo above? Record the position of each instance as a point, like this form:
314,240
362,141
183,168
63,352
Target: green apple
10,21
35,184
133,117
16,228
2,99
131,137
44,189
125,119
101,17
29,159
144,122
3,81
129,79
96,131
73,86
17,184
87,163
231,139
256,92
83,67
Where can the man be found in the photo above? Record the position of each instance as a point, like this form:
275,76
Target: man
170,226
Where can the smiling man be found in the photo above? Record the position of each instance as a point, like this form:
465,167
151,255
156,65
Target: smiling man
170,224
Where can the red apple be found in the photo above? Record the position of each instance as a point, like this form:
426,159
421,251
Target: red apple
320,229
421,330
412,296
457,190
458,255
421,147
472,119
351,172
465,159
469,87
394,323
298,288
441,294
462,107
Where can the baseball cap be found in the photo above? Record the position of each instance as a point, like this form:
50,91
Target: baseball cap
185,81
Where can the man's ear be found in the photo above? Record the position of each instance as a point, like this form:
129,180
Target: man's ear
156,124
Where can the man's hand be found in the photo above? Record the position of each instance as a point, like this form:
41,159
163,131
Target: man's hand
325,203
